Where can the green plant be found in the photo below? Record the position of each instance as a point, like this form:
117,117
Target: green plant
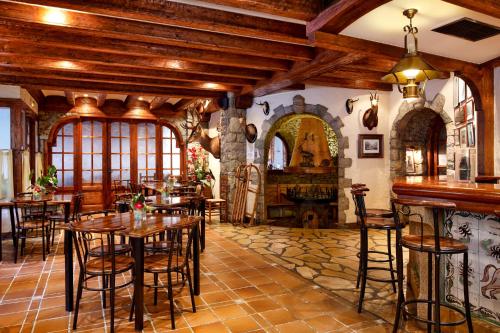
47,181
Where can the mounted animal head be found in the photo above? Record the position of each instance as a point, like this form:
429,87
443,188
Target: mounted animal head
370,118
194,115
374,98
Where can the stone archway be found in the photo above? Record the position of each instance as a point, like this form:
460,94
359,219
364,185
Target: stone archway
408,110
298,107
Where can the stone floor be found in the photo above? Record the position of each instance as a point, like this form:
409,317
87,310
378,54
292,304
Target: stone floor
242,290
326,257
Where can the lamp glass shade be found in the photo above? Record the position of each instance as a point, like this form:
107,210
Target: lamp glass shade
411,67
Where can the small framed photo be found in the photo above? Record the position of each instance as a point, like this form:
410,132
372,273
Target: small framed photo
471,137
460,114
410,161
461,90
463,137
457,137
469,110
370,146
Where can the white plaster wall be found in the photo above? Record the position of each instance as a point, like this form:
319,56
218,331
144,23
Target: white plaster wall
214,163
373,172
497,120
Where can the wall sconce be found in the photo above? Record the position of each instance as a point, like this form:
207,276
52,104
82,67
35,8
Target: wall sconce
411,69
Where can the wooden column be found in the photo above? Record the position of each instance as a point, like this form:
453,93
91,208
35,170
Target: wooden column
17,136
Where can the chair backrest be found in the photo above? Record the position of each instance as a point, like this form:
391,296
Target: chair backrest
85,237
121,186
30,211
402,211
134,187
77,202
179,258
358,196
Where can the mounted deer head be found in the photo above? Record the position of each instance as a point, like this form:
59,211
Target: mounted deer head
370,118
198,134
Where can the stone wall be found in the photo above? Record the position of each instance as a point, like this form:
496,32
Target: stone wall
233,150
402,132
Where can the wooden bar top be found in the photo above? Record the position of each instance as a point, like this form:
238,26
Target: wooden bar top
468,196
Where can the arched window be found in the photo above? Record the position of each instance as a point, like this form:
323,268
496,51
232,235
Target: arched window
277,154
83,149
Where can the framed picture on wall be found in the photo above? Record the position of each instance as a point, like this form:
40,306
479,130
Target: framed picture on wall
370,146
463,137
471,137
469,110
457,137
461,90
459,115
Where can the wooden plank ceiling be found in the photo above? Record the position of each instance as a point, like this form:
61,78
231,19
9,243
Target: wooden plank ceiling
168,49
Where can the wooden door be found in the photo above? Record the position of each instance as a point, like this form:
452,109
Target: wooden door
92,163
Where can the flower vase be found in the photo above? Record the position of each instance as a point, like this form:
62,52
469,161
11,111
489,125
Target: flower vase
165,196
37,195
139,216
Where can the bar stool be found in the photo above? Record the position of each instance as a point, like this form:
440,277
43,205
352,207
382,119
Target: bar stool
379,219
435,246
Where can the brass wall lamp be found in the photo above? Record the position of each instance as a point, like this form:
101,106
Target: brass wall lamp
411,69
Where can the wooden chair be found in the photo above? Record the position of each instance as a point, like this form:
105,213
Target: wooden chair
176,260
29,222
436,247
216,204
366,223
104,267
57,219
121,192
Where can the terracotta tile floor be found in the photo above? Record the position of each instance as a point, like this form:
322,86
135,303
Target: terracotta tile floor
242,291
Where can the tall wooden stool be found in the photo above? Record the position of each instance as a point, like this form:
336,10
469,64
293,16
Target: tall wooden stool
435,246
366,222
214,204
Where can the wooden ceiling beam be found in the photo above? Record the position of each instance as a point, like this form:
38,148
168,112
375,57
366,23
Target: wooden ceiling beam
341,14
488,7
100,87
350,83
37,95
101,98
324,62
188,16
367,75
158,101
304,10
38,34
28,62
93,78
70,97
183,103
69,55
372,63
368,48
103,26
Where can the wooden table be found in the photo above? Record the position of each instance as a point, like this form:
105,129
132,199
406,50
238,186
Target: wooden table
154,224
181,201
158,186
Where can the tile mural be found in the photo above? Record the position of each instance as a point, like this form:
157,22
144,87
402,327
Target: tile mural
481,232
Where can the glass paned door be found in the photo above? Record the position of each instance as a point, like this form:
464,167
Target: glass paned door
171,153
146,151
92,166
63,156
120,151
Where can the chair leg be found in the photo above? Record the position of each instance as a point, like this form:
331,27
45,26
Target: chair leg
53,227
429,290
43,243
130,316
47,233
360,250
466,293
78,298
190,285
364,269
171,300
16,245
389,254
155,277
437,311
399,267
104,286
23,241
112,301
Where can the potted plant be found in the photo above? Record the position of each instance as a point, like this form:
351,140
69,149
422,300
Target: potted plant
198,170
45,184
138,205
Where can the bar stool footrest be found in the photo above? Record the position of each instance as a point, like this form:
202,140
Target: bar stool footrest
378,260
420,319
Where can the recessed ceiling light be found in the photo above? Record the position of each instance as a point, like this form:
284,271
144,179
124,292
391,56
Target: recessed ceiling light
66,64
210,85
54,16
85,95
174,64
140,98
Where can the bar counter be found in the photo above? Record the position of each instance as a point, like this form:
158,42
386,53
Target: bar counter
472,197
476,222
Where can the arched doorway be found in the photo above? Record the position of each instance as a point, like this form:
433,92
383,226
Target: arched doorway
420,139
